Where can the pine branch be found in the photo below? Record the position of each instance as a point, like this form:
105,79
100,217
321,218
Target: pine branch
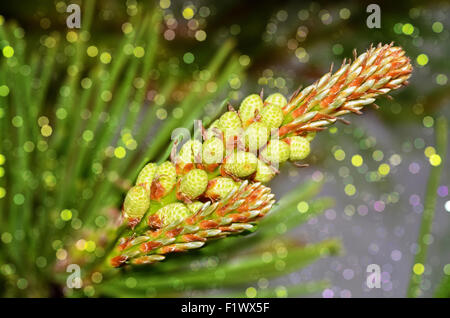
156,208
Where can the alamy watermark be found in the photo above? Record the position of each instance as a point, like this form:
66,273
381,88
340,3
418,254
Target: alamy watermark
74,279
373,21
73,21
374,278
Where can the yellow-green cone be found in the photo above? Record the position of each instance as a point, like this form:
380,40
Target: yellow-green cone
172,212
230,125
219,187
264,173
146,176
272,116
211,132
276,152
256,136
165,180
194,183
213,151
229,119
276,99
240,164
136,202
189,150
299,148
251,105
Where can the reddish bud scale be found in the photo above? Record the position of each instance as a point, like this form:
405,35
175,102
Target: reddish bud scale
157,190
192,238
143,260
154,233
207,167
174,232
302,109
185,168
223,210
334,90
239,217
228,229
155,222
125,243
118,260
149,246
190,220
208,224
132,222
170,249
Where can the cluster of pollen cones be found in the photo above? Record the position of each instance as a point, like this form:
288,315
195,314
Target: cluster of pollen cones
214,187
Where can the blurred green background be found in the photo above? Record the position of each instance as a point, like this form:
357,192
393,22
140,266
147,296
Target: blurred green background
376,169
